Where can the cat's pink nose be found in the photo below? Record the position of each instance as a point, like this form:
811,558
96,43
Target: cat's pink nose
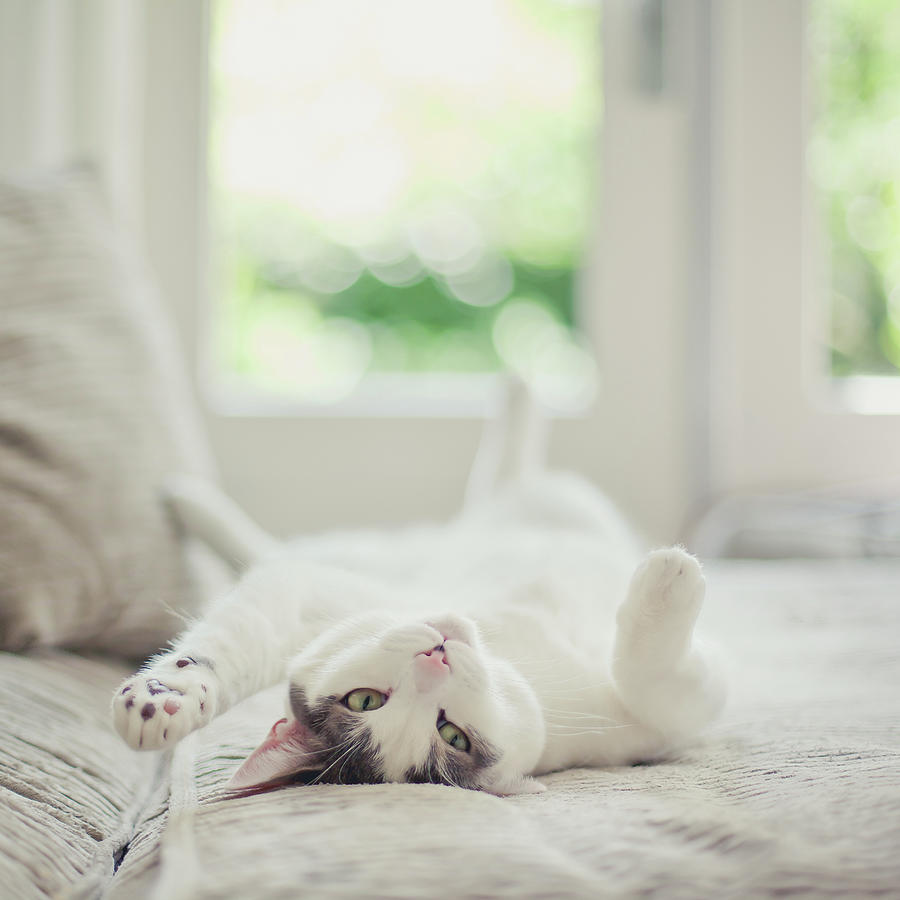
430,668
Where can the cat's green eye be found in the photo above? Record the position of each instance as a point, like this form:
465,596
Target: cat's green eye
454,736
364,700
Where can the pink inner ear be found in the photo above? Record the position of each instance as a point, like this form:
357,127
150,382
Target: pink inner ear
289,748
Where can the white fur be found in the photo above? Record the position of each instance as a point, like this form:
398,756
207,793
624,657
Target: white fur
564,648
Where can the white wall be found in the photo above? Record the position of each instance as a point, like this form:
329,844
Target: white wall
329,470
140,107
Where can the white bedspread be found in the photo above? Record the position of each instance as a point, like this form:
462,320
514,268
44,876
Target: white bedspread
796,790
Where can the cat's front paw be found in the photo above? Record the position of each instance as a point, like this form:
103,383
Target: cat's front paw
156,708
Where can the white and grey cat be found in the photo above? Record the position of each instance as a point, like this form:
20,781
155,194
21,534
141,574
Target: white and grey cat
524,637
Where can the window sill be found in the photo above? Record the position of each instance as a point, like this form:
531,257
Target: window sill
435,396
868,395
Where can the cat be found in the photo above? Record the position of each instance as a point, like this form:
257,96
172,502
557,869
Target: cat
524,637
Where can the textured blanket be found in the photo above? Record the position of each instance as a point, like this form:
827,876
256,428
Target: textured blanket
795,791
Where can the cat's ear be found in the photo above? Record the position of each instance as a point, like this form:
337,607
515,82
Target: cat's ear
289,747
510,785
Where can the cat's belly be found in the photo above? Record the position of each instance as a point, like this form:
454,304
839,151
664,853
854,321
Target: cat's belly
585,721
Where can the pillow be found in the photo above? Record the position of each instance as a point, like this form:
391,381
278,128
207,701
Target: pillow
94,416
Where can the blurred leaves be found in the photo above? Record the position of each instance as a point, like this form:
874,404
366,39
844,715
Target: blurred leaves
854,160
388,178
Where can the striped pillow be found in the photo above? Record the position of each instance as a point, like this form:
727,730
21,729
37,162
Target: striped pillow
94,415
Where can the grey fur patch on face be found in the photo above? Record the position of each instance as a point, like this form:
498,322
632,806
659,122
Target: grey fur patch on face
349,754
454,768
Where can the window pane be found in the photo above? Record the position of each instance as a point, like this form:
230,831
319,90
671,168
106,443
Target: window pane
854,160
399,187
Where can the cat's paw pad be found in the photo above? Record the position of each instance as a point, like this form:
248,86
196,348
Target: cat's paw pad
667,580
154,709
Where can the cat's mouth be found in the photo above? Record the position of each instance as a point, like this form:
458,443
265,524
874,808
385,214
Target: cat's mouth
453,628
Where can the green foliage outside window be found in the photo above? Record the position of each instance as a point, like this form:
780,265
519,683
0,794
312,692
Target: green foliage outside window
400,186
854,161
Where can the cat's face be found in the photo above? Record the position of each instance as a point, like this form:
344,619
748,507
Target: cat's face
418,702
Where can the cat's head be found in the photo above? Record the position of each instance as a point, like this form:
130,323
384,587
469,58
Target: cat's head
371,702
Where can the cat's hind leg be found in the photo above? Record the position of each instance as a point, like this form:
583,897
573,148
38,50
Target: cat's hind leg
513,444
666,678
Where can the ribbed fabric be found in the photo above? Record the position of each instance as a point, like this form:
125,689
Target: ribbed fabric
94,416
70,790
795,791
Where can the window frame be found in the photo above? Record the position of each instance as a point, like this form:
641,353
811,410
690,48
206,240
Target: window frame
645,432
787,425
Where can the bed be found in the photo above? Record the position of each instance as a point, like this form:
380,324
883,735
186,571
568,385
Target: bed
796,790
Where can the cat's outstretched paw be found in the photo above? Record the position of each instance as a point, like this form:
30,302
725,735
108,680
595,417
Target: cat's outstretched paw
156,708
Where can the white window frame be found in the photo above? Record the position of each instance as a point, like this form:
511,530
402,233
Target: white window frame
777,421
644,434
703,280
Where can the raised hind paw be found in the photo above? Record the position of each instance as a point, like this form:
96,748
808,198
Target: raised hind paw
656,619
667,587
156,708
665,678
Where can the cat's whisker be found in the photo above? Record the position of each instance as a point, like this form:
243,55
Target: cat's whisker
600,724
583,680
591,697
442,771
592,731
547,663
341,759
563,714
353,622
346,757
569,710
573,699
347,746
341,745
610,723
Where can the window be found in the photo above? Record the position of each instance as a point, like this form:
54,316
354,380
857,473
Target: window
854,163
779,420
401,187
403,454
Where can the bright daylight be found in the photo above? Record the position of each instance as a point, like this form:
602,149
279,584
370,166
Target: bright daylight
854,162
400,188
449,449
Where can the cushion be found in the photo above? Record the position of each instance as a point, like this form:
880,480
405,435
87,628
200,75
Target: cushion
70,790
94,415
795,791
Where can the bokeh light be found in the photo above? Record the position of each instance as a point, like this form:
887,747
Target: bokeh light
854,162
394,184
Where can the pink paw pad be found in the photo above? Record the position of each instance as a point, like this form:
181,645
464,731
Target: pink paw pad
155,709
